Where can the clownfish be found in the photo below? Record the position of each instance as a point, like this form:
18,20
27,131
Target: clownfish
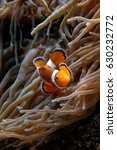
54,80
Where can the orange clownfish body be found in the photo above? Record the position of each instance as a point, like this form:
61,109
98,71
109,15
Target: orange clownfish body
54,79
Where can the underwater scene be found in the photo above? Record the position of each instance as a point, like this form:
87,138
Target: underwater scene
49,74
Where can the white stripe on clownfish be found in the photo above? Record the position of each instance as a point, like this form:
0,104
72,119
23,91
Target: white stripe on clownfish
51,64
53,76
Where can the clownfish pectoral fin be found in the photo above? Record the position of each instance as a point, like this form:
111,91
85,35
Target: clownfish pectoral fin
58,56
66,69
48,88
39,62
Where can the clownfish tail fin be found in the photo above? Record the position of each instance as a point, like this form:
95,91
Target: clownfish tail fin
58,56
39,62
66,69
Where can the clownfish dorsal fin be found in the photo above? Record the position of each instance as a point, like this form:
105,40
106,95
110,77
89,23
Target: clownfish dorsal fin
66,69
39,62
48,88
58,56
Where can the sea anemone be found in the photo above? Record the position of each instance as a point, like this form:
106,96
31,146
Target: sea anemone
28,116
